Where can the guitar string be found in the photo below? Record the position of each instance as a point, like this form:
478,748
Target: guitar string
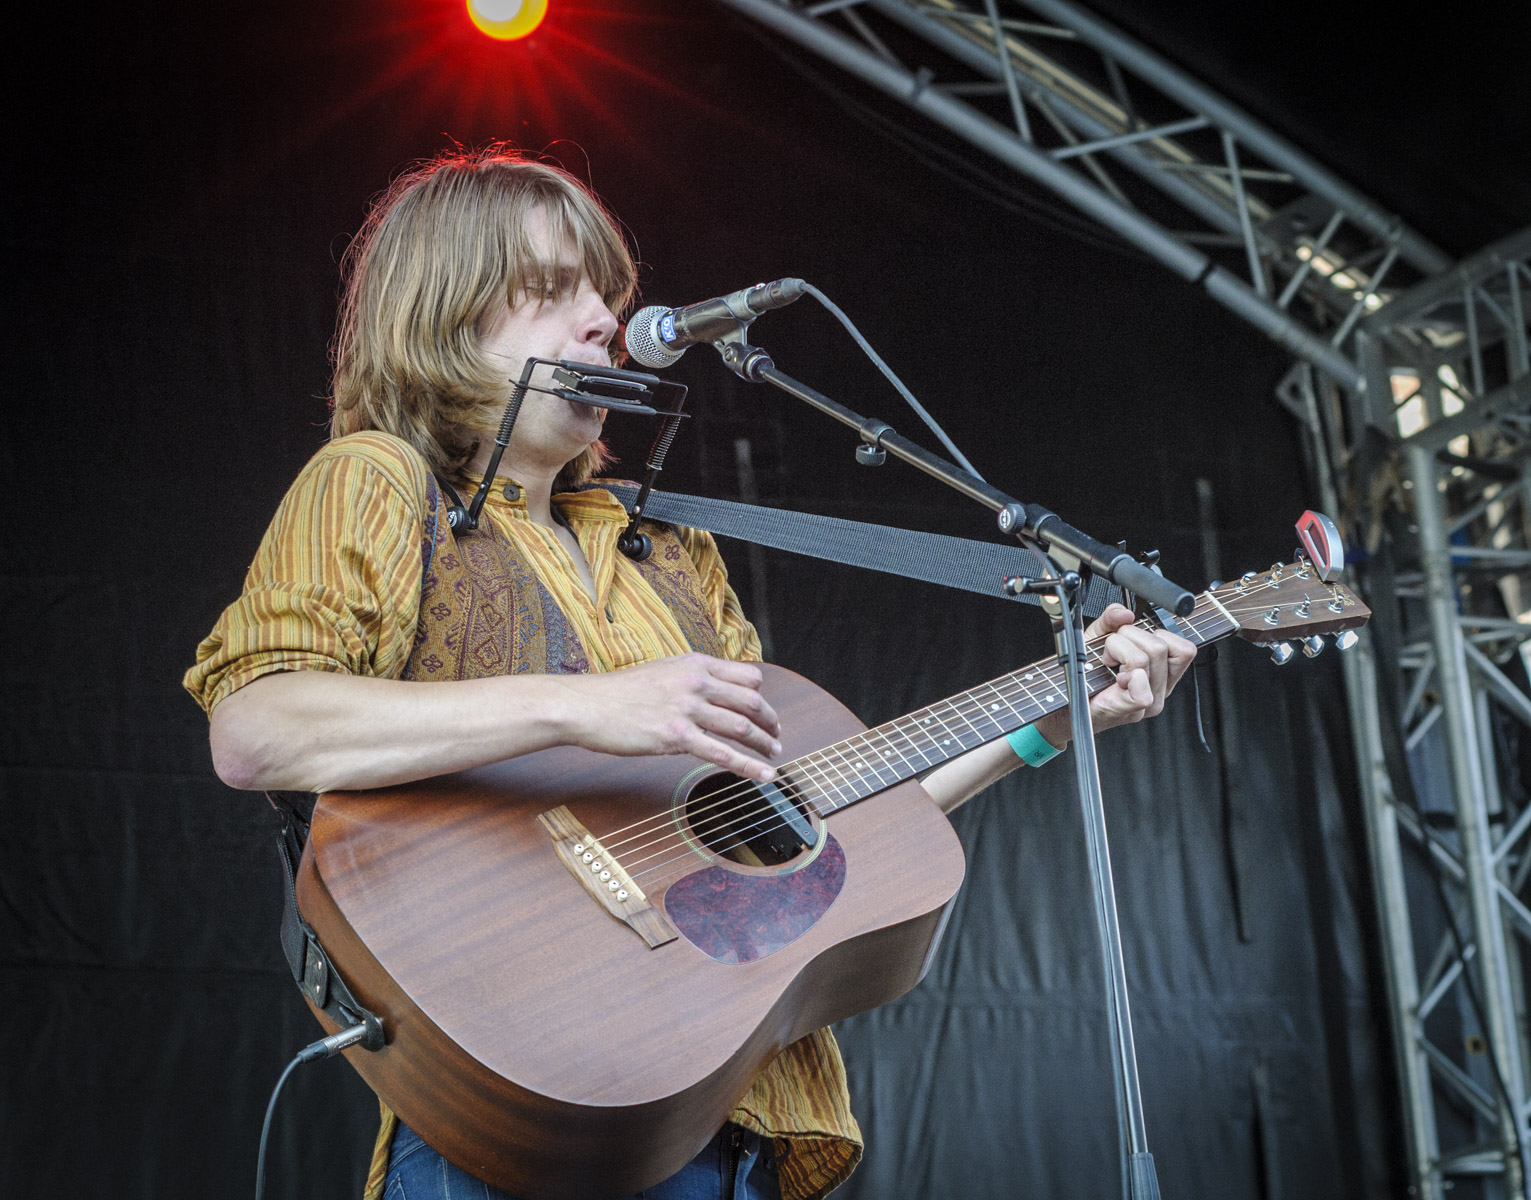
959,706
859,765
1015,678
610,845
819,767
969,699
864,765
969,703
747,787
761,822
686,855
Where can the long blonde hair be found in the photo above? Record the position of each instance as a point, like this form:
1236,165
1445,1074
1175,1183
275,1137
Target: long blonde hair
440,248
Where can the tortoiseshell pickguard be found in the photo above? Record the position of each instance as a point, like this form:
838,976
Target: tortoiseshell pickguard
736,918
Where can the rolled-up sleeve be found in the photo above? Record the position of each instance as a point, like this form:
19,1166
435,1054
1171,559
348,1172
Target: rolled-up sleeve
335,585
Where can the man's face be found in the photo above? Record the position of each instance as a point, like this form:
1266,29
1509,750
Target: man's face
569,321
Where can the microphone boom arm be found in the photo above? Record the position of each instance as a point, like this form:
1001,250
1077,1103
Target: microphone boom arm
1030,523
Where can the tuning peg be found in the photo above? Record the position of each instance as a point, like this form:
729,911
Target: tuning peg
1281,653
1345,639
1313,645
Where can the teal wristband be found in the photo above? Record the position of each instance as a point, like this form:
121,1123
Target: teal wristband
1031,747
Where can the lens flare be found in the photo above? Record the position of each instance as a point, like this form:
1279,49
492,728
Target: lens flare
507,20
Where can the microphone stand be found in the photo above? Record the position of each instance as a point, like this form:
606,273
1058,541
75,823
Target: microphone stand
1071,555
1062,600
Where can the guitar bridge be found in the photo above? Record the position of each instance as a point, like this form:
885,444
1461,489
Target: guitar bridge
603,877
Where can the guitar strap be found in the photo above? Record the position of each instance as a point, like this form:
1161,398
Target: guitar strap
952,562
311,968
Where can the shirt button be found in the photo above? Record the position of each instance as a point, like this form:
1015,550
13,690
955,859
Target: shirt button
511,492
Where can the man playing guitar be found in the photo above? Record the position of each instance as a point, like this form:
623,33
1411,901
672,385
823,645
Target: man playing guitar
532,632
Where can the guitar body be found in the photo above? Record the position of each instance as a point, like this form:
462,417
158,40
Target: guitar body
538,1041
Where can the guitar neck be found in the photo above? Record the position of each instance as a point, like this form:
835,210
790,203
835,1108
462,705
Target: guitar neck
839,775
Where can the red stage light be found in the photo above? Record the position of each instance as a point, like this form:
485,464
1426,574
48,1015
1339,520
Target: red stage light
507,20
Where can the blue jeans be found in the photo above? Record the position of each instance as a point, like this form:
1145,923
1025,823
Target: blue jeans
735,1165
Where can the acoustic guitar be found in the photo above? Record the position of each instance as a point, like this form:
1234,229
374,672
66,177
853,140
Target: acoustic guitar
582,961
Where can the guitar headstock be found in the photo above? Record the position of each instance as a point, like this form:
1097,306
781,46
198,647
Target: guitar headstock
1289,602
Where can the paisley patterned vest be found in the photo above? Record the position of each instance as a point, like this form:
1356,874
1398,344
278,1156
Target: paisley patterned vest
484,613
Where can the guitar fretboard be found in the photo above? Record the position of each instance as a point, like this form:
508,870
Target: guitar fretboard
860,766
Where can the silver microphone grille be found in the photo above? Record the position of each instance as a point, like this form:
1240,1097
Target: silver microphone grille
643,342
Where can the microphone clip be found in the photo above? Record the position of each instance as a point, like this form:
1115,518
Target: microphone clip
744,360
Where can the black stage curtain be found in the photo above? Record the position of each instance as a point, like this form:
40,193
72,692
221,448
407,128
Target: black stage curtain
181,197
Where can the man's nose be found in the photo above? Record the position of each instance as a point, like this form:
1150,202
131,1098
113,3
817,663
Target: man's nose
599,323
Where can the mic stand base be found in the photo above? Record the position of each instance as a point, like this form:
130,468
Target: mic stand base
1144,1183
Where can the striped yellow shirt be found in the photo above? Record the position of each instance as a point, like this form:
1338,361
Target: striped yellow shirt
335,586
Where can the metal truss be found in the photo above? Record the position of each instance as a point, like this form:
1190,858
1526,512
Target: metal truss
1413,389
1176,170
1449,387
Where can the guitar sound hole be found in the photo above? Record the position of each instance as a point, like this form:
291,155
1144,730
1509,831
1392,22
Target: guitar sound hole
757,824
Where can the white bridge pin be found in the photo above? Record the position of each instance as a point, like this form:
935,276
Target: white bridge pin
588,856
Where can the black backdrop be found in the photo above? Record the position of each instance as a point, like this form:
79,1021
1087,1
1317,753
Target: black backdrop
184,178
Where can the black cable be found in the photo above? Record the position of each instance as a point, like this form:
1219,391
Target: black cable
265,1129
368,1034
898,384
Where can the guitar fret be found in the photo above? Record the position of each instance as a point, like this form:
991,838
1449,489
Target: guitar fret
835,773
948,738
925,722
866,757
802,772
895,745
980,739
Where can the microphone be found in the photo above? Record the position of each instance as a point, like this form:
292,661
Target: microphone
657,336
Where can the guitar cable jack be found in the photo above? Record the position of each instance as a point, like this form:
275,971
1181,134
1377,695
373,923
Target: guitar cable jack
367,1033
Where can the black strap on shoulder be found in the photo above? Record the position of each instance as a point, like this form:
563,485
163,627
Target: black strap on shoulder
311,968
952,562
